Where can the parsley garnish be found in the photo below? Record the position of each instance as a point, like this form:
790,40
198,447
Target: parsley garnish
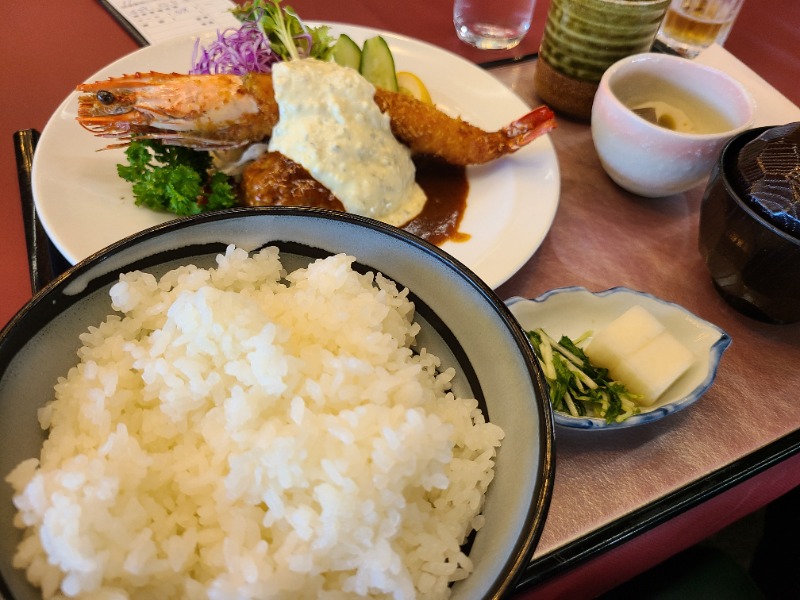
175,179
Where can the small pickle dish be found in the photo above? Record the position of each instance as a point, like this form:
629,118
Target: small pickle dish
576,311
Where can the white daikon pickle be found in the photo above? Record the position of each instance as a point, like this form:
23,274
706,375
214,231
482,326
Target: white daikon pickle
625,334
651,369
640,353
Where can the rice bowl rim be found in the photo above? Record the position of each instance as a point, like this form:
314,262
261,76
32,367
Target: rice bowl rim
75,283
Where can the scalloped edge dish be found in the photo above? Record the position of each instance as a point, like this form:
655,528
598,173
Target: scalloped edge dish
574,310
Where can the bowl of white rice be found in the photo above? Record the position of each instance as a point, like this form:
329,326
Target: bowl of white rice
270,403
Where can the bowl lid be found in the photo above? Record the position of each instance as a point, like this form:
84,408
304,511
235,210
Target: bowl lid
768,176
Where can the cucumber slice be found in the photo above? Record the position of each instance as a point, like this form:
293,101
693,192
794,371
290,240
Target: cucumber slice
347,53
377,64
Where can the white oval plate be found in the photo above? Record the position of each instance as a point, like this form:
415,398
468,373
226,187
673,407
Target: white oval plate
84,206
572,311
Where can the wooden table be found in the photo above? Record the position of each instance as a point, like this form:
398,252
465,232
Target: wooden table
622,501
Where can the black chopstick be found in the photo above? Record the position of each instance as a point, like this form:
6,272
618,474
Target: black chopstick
44,261
500,62
661,48
658,46
39,264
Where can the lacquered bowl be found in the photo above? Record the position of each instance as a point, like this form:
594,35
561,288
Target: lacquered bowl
755,266
462,321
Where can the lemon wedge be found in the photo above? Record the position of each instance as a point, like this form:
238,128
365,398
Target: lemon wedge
410,84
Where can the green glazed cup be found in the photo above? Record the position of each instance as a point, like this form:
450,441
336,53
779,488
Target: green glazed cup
582,38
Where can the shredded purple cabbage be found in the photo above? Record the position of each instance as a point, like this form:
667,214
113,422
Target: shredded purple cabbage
235,51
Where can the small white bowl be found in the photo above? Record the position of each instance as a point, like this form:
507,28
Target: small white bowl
651,160
573,311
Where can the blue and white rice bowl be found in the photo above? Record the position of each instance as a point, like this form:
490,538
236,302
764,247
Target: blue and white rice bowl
573,311
462,321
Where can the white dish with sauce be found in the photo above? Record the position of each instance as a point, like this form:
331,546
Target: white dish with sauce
573,311
84,206
699,108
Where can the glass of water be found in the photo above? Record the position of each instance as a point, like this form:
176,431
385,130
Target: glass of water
690,26
492,24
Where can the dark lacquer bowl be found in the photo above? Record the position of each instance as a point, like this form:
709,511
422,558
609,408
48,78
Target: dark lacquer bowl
754,265
462,321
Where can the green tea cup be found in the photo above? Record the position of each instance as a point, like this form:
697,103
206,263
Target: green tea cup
582,38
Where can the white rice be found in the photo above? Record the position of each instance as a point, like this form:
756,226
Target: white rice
240,433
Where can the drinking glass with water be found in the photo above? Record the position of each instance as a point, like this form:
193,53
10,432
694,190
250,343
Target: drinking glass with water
492,24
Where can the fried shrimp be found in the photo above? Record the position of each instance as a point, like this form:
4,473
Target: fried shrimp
427,130
217,112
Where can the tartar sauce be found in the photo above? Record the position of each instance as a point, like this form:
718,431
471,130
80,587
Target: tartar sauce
330,124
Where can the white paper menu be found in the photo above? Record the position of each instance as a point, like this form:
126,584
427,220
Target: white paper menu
153,21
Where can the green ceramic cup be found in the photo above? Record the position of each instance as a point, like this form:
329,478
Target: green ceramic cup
582,38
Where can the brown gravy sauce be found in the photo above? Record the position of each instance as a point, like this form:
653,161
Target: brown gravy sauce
446,187
275,180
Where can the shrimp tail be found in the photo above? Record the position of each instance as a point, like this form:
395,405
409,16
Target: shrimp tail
535,124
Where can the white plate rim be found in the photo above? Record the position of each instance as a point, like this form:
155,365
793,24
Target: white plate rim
84,206
708,337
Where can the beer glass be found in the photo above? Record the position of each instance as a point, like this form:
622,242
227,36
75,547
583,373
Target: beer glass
690,26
